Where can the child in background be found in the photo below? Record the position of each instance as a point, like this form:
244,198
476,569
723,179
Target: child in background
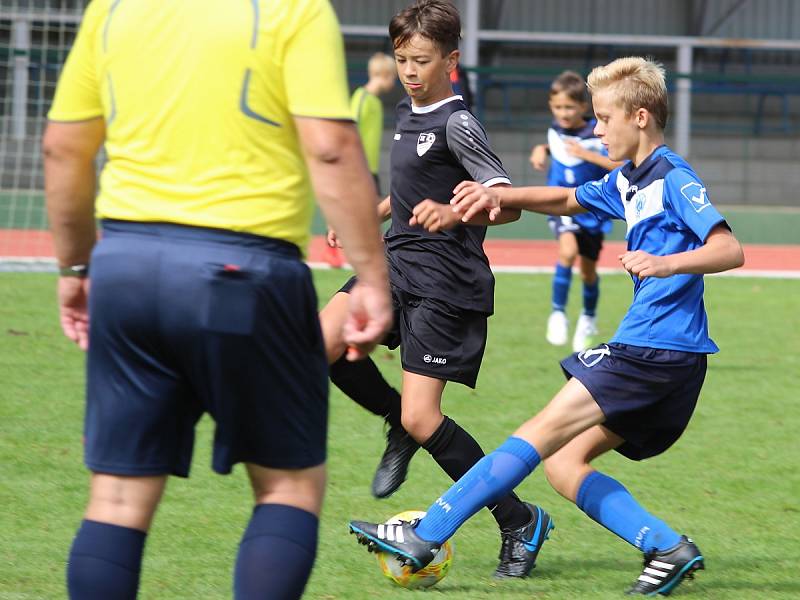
367,110
577,157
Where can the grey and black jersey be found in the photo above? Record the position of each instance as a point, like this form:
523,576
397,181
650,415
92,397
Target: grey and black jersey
435,148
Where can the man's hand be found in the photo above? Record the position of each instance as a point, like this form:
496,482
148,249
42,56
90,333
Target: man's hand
73,307
539,157
470,198
641,264
369,318
433,216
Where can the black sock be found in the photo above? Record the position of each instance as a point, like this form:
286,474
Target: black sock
276,553
104,562
363,382
456,451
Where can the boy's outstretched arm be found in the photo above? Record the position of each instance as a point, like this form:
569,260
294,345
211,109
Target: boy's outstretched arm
601,160
471,199
721,252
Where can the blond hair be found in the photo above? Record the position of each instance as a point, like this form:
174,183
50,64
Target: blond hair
380,63
637,83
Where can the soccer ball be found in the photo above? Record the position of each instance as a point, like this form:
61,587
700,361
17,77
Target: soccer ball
432,574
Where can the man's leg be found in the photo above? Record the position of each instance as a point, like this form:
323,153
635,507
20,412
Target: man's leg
106,555
278,547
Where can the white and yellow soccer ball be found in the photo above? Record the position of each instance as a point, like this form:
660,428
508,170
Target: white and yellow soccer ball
432,574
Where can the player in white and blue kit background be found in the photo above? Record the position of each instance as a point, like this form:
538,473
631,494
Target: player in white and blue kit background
577,156
636,393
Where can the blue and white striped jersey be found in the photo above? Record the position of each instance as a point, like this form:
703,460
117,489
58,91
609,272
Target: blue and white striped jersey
569,171
667,211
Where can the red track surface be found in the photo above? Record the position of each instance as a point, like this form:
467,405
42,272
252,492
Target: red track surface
502,253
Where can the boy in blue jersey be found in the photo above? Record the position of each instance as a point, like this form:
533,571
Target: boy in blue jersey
636,393
577,157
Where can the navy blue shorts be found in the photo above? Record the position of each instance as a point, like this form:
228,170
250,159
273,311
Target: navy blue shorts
647,395
589,243
188,320
436,339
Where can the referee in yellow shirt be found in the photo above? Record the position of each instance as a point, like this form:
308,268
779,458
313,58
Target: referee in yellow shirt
217,118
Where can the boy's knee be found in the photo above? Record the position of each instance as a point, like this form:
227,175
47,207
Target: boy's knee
564,474
419,424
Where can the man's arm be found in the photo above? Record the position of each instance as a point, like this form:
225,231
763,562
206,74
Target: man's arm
346,194
69,151
721,252
471,200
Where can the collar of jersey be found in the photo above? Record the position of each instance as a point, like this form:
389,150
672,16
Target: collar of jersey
434,106
643,170
584,132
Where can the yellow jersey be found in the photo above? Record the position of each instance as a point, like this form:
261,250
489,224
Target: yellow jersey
198,98
368,113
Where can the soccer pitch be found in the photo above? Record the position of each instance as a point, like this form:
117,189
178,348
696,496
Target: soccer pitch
731,482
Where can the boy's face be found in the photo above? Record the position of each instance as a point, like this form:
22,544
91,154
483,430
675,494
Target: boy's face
423,71
617,131
386,80
567,113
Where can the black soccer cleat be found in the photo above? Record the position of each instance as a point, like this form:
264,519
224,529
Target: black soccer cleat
393,468
663,571
398,539
521,546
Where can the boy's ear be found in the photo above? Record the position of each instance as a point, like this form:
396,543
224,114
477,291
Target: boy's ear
642,117
451,60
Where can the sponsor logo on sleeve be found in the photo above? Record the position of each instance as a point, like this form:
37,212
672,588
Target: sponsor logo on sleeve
696,195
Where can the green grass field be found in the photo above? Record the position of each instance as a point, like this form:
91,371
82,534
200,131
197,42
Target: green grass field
731,482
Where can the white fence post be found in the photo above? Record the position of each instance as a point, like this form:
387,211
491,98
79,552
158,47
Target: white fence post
21,45
683,102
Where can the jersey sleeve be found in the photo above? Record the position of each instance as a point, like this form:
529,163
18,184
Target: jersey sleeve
370,126
467,141
689,204
78,96
314,66
601,197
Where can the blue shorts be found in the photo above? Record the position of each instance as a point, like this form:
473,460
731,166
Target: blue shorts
436,339
189,320
647,395
590,243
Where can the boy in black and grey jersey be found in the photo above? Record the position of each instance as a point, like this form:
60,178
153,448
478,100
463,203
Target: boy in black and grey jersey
442,286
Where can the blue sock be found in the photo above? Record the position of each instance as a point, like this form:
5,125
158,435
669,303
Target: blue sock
491,478
591,293
561,281
276,553
104,562
607,501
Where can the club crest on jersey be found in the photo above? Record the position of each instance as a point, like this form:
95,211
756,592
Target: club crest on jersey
424,142
696,195
592,356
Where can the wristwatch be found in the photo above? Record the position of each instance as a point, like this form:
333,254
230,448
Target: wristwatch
79,271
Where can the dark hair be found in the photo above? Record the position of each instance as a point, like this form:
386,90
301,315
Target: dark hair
571,84
437,20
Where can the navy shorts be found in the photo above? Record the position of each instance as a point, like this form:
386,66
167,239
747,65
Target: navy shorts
436,339
647,395
189,320
589,244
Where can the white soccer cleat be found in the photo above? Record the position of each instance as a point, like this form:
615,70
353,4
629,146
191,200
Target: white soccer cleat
557,328
585,331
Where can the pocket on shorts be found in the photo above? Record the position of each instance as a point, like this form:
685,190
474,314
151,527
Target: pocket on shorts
231,300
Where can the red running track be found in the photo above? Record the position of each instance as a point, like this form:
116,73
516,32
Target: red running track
32,244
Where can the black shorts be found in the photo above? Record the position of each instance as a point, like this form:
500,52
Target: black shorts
436,339
589,244
188,320
647,395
